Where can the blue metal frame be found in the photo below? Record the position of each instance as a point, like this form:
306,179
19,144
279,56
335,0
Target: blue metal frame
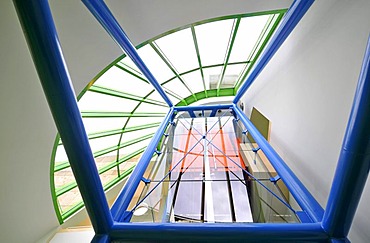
37,23
349,181
354,160
291,19
102,13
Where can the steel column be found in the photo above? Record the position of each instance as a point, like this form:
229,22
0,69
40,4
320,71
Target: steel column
291,19
299,191
124,199
43,42
102,13
354,160
236,232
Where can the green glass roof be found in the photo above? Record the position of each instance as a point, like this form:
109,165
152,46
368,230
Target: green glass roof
121,110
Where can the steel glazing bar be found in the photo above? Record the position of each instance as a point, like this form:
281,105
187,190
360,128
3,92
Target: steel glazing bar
354,160
304,198
291,19
119,94
105,114
236,232
123,200
198,57
42,38
102,13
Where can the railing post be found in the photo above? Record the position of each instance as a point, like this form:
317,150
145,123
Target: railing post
43,42
354,161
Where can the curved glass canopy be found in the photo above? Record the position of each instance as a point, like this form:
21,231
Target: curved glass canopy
121,110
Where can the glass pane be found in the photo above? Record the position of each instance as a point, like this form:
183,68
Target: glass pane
104,143
60,155
213,39
145,107
231,75
194,80
211,76
105,160
249,30
156,65
178,88
69,199
63,177
180,50
118,79
274,18
138,121
109,175
92,101
103,124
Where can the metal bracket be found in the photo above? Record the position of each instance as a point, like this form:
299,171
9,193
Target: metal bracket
256,149
127,215
158,152
146,181
275,179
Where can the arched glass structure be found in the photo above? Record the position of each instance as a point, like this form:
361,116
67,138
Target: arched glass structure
121,110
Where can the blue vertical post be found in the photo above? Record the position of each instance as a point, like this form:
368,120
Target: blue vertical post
354,160
43,42
291,19
102,13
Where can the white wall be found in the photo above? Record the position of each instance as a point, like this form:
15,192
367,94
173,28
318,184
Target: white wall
307,91
26,126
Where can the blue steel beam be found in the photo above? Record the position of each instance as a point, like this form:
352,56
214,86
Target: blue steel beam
43,42
203,107
354,160
304,198
291,19
236,232
102,13
125,197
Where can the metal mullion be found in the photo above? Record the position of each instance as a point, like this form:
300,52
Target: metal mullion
265,41
118,131
231,201
128,67
115,93
160,53
201,69
124,126
66,188
102,114
173,94
182,166
72,185
130,156
132,73
128,143
260,38
228,52
198,56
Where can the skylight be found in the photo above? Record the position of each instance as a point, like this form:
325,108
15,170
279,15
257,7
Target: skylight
121,110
